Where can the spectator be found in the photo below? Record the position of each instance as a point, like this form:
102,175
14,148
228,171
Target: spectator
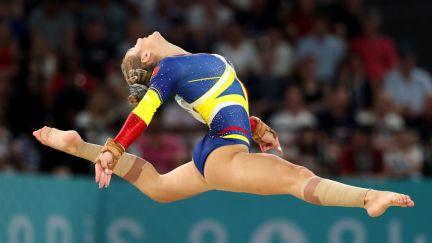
376,49
405,159
9,52
307,150
238,49
111,14
41,58
276,62
383,116
30,94
360,158
241,6
331,155
353,76
97,120
165,150
294,117
52,23
337,120
299,22
119,93
17,154
209,16
5,149
175,118
260,16
327,49
277,59
12,13
96,51
162,15
312,90
70,101
5,92
71,73
24,155
426,119
408,85
427,168
347,18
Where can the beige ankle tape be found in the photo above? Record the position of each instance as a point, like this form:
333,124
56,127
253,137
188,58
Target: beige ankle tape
89,151
331,193
128,167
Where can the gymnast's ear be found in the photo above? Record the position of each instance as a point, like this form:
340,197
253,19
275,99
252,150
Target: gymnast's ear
146,57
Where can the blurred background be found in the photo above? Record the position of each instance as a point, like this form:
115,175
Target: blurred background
346,84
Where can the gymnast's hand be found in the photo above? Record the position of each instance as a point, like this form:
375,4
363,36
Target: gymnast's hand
106,161
270,141
102,171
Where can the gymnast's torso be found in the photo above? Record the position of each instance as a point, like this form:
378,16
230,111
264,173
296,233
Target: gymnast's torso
207,87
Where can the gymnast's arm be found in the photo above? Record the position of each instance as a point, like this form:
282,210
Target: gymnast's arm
139,119
162,84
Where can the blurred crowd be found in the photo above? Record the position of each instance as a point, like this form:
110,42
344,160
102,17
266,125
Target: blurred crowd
345,98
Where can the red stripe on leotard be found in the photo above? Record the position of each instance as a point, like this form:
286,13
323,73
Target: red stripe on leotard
232,128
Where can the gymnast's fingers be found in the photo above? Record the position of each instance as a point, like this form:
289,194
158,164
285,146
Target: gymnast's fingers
102,179
278,147
262,147
108,180
98,170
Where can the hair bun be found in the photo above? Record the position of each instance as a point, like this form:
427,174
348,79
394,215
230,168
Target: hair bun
137,92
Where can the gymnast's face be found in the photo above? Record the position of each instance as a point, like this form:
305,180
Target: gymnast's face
149,49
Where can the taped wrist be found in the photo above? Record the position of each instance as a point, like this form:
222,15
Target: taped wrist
115,149
129,166
260,129
326,192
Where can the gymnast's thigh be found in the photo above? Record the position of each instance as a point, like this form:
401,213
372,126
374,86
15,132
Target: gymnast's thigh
184,181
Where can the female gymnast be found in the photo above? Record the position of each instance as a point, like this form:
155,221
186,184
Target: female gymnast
206,86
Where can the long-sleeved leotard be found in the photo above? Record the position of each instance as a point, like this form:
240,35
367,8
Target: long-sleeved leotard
206,86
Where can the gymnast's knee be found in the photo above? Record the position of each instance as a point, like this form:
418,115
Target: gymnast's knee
154,190
158,195
303,173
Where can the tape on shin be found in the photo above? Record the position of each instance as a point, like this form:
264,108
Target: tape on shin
326,192
89,151
128,167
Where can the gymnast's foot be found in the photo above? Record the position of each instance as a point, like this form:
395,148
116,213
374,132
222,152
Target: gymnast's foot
377,202
66,141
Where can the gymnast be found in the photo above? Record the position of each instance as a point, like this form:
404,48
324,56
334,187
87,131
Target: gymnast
207,87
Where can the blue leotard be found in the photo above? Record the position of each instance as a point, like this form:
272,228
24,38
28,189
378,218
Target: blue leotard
207,87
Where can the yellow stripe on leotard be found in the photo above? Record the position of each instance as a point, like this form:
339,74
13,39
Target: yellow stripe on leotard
202,79
245,95
148,106
237,136
206,107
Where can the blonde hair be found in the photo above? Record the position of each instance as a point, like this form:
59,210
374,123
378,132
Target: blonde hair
134,71
137,76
